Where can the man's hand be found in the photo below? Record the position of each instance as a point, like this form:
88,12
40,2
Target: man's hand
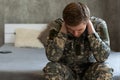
90,27
63,28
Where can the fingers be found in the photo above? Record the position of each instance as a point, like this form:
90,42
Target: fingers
63,28
90,27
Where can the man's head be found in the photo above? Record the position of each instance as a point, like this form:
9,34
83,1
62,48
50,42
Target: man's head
76,16
76,13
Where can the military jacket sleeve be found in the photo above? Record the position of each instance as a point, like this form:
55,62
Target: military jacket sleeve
55,42
99,41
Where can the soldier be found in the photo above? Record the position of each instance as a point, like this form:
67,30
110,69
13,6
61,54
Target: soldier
77,46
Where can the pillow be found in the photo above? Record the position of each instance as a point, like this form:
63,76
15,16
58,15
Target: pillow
43,35
27,38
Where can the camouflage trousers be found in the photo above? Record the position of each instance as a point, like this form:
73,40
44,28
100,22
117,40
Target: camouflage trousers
95,71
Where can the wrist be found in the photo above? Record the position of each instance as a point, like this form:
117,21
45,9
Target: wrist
90,27
63,29
93,35
91,31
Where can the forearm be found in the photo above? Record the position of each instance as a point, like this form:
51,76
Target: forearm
55,47
99,48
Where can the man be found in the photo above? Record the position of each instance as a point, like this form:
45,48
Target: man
76,49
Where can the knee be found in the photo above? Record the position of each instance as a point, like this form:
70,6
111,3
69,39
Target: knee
52,67
99,71
101,67
57,71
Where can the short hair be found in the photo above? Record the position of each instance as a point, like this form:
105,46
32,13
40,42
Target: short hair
75,13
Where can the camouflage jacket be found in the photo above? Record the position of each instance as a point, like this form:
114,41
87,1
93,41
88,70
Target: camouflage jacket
67,49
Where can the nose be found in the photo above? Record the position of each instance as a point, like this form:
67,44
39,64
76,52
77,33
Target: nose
75,33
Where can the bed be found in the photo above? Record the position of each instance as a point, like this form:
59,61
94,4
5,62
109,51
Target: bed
21,63
26,63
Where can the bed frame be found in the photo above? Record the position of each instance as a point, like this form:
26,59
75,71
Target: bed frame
10,30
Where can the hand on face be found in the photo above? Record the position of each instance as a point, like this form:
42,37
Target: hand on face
63,28
90,27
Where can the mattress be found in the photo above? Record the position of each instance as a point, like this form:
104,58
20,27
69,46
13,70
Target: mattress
114,62
21,63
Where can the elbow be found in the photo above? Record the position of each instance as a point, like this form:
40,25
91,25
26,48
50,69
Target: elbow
106,54
54,55
53,59
103,56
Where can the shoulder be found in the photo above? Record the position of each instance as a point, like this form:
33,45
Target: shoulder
98,22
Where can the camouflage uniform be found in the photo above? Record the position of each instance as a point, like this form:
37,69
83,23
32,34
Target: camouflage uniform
78,58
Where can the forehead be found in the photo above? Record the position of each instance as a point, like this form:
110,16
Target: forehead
78,27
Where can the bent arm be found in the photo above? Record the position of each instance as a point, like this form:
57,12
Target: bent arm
55,42
100,44
55,47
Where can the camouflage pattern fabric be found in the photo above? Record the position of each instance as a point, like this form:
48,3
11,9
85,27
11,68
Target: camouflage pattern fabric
80,58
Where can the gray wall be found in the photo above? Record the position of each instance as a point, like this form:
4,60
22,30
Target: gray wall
36,11
33,11
1,21
112,17
43,11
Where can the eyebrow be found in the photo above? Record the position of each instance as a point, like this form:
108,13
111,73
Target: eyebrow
73,30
